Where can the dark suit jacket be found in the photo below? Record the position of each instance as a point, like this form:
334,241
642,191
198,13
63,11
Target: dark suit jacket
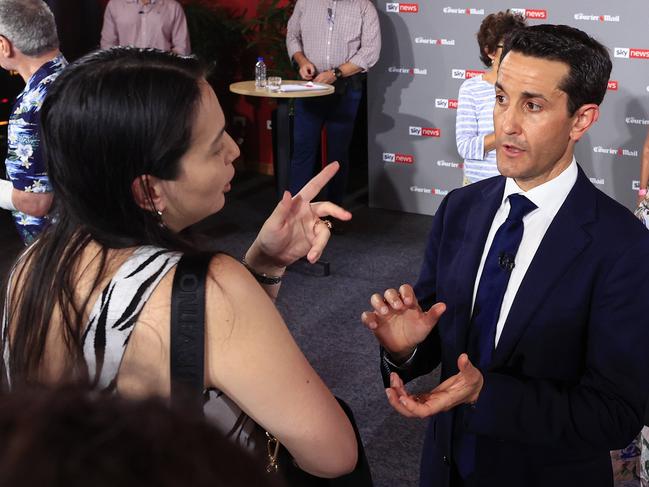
569,378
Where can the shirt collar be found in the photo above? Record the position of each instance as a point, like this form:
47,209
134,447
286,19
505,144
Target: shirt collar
550,193
44,71
138,1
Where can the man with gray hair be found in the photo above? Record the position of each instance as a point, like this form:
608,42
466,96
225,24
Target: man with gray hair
29,45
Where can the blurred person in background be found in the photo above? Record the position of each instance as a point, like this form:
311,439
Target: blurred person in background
474,125
159,24
73,437
29,45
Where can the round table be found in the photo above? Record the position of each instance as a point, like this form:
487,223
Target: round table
281,130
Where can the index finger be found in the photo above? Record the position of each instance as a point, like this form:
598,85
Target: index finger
313,187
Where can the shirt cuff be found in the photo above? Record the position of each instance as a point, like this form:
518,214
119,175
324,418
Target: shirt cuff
403,365
358,61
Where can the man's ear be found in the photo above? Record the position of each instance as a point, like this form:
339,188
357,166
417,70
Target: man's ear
6,47
584,118
147,193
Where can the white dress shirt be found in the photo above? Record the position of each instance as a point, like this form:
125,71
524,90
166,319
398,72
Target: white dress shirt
548,197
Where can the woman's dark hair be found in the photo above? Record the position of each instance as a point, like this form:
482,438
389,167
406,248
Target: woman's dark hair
110,117
72,437
588,61
493,30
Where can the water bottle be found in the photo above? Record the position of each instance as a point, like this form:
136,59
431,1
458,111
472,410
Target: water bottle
260,74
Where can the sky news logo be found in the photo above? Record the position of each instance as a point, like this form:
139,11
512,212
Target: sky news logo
397,158
530,13
465,73
434,42
402,8
635,185
410,71
636,121
463,11
424,131
613,85
597,18
451,165
432,191
631,53
446,103
615,152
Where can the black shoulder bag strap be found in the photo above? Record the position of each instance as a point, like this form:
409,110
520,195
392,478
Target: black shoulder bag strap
187,344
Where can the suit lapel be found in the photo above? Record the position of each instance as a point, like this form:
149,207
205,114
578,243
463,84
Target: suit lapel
478,222
564,240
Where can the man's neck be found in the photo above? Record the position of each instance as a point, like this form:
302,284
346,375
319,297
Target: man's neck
28,65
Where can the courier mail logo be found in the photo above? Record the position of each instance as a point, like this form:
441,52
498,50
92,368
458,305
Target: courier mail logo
434,42
446,103
636,121
449,164
465,73
597,18
402,8
598,181
615,152
424,131
530,13
411,71
463,11
433,191
398,158
631,53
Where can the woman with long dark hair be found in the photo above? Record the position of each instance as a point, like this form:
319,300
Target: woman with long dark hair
137,151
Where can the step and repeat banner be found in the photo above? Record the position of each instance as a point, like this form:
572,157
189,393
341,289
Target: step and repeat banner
430,48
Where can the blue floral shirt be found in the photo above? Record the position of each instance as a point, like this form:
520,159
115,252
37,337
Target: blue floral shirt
25,165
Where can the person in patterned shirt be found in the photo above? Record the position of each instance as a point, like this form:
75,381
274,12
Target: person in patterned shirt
29,45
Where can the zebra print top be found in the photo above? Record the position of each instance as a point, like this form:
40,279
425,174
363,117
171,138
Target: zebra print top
112,320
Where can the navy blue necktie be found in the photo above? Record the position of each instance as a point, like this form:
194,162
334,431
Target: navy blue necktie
486,310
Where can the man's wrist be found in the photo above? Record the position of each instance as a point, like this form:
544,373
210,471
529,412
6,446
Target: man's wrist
337,73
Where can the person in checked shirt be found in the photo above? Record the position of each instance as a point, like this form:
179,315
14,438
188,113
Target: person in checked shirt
333,42
29,45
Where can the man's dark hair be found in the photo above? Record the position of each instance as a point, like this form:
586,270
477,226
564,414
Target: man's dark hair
493,30
588,61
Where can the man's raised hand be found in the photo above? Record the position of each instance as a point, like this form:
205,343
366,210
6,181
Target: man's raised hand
398,322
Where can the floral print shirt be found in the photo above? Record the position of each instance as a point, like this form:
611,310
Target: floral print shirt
25,165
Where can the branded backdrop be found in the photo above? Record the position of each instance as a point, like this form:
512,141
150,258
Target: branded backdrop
430,48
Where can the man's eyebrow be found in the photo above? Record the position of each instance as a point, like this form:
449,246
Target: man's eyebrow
528,94
525,94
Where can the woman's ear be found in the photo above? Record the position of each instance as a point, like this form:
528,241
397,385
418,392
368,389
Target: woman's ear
147,193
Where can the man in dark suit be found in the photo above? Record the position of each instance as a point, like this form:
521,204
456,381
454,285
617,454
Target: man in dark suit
536,288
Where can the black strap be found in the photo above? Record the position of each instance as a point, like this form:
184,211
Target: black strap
187,342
